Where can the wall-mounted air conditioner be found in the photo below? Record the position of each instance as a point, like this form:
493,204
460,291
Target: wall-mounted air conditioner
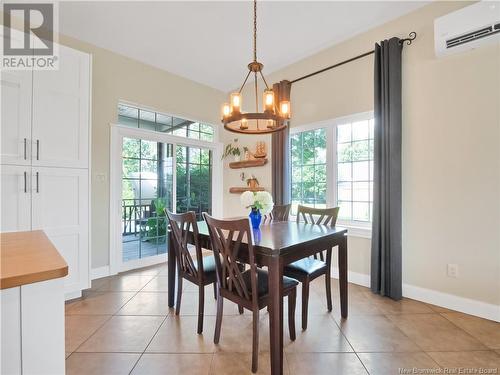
467,28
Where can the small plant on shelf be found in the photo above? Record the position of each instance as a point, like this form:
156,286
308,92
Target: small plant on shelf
232,149
252,182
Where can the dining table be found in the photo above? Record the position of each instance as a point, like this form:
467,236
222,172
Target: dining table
277,244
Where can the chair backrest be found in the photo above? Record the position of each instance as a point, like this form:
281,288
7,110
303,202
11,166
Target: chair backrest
183,226
324,216
226,237
279,213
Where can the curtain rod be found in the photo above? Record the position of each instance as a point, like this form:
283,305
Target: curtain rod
409,40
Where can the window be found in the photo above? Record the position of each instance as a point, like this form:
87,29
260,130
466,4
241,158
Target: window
355,170
155,121
332,165
308,157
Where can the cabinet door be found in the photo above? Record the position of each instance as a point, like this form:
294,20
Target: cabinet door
10,306
61,112
61,208
16,117
15,198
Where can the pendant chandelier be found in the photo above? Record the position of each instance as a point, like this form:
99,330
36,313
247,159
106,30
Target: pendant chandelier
275,113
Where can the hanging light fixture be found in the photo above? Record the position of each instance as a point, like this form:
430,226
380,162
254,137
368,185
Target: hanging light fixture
275,113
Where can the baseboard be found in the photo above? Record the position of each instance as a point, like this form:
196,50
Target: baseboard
97,273
434,297
453,302
72,295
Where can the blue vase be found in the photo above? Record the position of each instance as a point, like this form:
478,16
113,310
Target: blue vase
255,218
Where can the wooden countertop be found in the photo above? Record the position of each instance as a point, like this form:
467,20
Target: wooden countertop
28,257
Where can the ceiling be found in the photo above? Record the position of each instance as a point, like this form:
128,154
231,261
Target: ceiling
211,42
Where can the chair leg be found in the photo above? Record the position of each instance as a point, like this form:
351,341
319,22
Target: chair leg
240,309
292,298
215,290
328,287
305,302
201,306
328,280
255,343
218,319
179,295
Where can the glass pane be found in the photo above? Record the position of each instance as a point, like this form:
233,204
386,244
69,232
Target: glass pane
193,134
131,148
205,156
296,174
360,211
131,168
147,120
345,211
344,152
206,137
370,150
344,133
320,195
194,126
308,173
131,248
360,191
360,150
207,128
194,155
128,116
320,173
308,148
149,150
149,169
360,130
371,126
295,150
320,147
360,171
344,191
344,171
181,132
296,192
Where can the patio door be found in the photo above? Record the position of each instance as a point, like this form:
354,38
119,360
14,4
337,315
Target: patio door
151,172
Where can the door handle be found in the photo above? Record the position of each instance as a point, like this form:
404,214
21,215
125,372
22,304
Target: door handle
25,155
25,181
37,149
37,185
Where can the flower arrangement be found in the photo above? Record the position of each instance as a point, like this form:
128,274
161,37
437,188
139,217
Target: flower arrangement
260,203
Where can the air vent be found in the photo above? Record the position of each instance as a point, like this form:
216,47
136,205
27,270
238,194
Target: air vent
474,35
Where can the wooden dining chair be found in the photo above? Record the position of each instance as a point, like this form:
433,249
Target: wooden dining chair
200,271
249,288
307,269
279,213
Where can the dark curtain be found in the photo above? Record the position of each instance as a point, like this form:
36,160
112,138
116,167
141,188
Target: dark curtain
386,269
280,151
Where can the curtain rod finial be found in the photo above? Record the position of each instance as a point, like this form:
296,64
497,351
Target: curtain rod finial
411,37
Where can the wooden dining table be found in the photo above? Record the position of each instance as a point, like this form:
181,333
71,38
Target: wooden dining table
277,244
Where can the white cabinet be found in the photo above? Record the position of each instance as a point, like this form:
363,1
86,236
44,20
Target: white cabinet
15,198
32,329
44,158
60,207
61,112
16,117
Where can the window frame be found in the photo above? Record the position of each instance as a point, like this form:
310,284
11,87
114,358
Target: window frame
356,228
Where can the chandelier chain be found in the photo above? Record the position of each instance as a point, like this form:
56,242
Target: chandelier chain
254,30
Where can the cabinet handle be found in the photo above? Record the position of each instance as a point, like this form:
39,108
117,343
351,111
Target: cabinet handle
25,155
37,149
25,181
37,185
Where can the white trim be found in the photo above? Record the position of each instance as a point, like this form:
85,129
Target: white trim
143,262
72,295
453,302
434,297
99,272
118,132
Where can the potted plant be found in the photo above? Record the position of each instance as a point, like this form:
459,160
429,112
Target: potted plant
234,150
260,203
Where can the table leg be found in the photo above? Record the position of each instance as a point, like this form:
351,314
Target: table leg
276,314
171,270
343,276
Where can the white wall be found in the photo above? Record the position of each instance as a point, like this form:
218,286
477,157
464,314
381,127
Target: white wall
451,153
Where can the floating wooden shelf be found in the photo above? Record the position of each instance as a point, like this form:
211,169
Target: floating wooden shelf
248,163
239,190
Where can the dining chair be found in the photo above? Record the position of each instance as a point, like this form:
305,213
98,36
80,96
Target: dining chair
279,213
200,271
249,288
307,269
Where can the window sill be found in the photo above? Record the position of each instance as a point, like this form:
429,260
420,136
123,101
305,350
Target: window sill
356,230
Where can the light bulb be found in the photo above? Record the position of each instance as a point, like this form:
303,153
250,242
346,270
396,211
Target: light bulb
235,102
244,124
285,109
270,124
268,100
226,110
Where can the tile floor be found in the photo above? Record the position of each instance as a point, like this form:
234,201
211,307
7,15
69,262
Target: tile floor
122,325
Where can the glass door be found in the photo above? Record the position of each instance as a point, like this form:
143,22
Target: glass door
147,189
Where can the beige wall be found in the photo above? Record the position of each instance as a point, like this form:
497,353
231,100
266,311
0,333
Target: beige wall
451,157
